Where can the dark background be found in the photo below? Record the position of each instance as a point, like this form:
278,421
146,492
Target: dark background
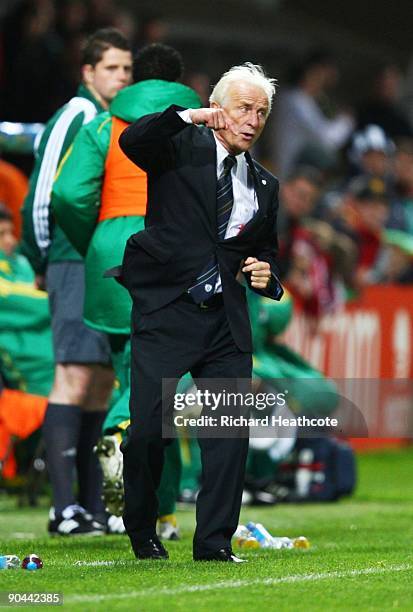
40,42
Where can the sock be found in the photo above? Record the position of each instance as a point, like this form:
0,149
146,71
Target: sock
88,468
61,429
168,489
168,518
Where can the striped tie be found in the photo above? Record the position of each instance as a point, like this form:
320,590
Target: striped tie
206,280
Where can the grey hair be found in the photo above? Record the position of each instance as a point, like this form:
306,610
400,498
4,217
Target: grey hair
249,73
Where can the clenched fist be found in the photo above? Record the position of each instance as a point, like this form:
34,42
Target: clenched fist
260,272
214,118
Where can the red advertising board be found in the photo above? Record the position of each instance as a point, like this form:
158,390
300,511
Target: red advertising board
367,346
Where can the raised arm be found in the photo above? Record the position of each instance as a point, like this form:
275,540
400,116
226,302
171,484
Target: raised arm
149,141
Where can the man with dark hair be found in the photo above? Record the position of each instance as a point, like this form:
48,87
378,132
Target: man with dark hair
158,61
101,41
83,377
96,170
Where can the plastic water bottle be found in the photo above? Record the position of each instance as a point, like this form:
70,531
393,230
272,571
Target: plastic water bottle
9,562
242,532
304,475
244,538
282,542
255,535
262,536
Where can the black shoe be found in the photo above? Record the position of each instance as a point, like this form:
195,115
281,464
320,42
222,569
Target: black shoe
224,554
74,521
151,549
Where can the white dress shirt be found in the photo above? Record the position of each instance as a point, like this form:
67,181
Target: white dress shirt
245,199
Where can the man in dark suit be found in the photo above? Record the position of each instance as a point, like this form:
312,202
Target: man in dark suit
211,215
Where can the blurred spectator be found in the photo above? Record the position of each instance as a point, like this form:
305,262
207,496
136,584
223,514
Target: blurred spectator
383,105
13,189
72,18
302,130
40,52
372,152
26,355
33,61
102,12
401,215
396,262
126,23
153,29
298,196
201,83
309,249
362,217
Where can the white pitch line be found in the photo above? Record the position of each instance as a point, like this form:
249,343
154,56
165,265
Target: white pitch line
236,584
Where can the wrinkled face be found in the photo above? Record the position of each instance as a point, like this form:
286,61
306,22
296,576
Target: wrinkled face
298,197
247,108
8,241
110,75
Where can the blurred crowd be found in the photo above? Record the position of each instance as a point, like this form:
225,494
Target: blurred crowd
346,192
40,57
346,196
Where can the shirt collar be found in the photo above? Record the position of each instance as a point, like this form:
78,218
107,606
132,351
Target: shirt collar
222,153
84,92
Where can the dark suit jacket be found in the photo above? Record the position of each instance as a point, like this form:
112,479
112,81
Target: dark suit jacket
161,262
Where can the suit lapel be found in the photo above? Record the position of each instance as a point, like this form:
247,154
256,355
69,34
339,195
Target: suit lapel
260,187
204,156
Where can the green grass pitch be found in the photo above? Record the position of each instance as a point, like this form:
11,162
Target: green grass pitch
361,557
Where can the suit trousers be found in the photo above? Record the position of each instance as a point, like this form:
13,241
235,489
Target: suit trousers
166,344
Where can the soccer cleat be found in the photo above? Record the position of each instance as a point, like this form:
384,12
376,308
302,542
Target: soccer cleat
188,496
111,461
73,521
115,525
167,529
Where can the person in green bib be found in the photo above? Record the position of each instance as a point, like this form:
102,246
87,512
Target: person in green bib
97,171
26,353
83,374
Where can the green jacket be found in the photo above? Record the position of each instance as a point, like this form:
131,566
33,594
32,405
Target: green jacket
76,200
42,241
26,354
309,391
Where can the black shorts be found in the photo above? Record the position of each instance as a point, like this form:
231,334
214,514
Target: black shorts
73,341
